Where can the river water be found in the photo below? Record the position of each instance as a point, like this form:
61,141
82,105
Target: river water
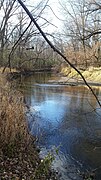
67,119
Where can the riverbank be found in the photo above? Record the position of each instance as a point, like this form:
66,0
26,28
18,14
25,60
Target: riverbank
68,76
19,157
92,75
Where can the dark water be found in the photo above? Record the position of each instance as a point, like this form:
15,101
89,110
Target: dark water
67,118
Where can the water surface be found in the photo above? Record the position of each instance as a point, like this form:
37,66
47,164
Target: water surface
65,117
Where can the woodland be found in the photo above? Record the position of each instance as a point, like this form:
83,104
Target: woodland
79,37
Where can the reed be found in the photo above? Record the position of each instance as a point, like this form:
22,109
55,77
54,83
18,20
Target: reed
13,126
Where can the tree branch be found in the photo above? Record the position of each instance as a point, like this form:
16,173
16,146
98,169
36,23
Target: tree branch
92,34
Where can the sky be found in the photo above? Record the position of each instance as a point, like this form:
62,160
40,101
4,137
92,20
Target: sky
51,16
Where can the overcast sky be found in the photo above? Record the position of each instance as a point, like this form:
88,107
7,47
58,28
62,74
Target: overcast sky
50,15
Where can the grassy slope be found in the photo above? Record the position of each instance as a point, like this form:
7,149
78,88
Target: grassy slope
91,74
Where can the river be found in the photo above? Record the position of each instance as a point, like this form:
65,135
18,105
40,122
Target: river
66,118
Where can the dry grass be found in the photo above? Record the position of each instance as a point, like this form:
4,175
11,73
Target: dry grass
91,74
7,70
13,127
66,70
87,74
96,75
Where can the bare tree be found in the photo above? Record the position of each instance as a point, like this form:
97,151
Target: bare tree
76,25
79,26
94,10
7,12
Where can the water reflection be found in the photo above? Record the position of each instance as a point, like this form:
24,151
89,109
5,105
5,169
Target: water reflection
65,116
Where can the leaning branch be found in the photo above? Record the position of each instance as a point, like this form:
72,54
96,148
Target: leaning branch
55,49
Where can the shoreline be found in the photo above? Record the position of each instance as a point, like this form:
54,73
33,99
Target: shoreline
19,156
72,82
92,76
66,76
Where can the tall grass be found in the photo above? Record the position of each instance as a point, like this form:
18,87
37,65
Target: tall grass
13,126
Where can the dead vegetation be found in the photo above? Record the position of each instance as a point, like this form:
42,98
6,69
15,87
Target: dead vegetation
19,158
13,127
92,74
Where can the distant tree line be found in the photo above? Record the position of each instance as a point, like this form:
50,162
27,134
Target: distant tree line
23,47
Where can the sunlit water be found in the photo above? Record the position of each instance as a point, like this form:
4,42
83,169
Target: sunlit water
68,119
